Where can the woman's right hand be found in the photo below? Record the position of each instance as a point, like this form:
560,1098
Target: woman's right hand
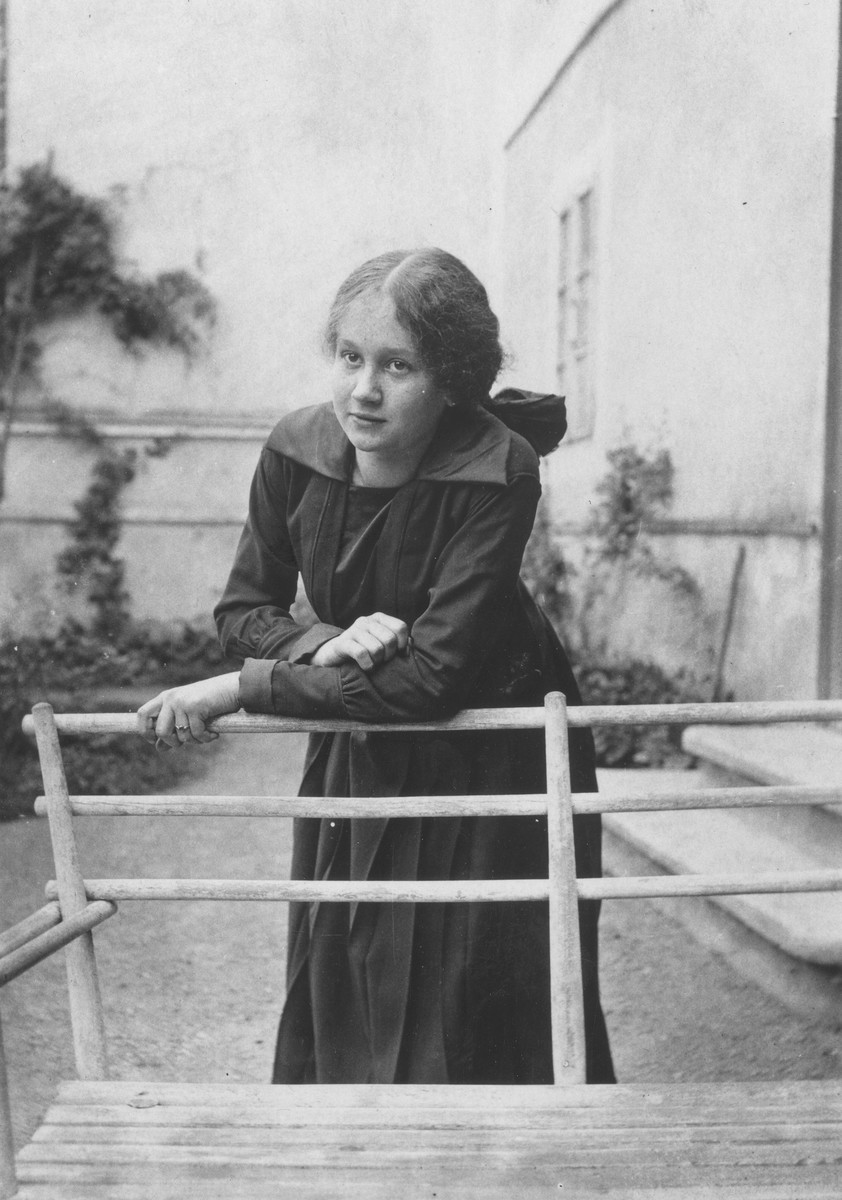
369,642
179,715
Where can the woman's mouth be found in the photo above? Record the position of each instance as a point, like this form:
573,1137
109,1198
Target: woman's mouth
367,419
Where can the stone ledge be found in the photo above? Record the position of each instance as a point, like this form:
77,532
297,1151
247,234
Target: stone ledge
807,926
786,754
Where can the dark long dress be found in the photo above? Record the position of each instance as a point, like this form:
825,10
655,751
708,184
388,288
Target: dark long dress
426,993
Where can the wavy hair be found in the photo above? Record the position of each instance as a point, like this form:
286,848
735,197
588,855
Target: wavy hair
445,309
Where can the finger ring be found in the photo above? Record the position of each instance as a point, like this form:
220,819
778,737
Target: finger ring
182,728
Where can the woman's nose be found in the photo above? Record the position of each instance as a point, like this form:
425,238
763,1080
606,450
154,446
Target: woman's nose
367,386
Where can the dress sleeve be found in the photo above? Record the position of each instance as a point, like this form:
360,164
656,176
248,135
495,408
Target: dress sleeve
470,595
253,617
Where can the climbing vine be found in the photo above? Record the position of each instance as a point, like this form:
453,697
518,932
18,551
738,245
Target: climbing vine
58,257
89,564
636,490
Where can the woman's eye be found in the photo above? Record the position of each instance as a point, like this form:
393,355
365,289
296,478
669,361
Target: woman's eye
351,357
399,366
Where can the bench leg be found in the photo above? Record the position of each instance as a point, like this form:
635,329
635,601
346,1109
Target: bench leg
8,1181
83,984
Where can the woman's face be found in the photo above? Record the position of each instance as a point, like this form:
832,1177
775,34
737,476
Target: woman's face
384,397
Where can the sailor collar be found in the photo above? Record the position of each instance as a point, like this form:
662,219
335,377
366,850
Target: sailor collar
466,448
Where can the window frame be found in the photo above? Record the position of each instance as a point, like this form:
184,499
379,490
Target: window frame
586,177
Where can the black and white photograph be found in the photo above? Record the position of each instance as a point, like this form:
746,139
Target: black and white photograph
420,599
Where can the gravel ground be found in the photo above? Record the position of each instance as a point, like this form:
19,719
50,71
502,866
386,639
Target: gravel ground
193,991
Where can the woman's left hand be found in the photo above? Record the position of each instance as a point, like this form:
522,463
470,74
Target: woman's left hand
178,716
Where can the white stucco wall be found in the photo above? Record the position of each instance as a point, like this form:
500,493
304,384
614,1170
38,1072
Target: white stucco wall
269,147
708,129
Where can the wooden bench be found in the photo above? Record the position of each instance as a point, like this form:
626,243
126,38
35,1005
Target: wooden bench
123,1140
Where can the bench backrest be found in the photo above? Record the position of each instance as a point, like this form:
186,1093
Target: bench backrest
91,900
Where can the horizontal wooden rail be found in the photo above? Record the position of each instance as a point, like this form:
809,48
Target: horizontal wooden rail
469,891
443,806
470,719
758,796
45,944
30,927
306,806
641,887
434,891
749,712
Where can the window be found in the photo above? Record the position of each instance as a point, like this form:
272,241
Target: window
575,313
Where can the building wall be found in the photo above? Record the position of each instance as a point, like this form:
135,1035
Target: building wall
706,130
183,515
269,147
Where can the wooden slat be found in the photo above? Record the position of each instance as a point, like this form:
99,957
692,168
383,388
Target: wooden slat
797,1097
7,1145
434,891
30,927
741,713
342,1175
470,719
567,1006
444,806
748,712
330,1187
54,939
480,1127
725,797
805,1190
745,883
457,891
82,982
390,1149
93,1120
526,805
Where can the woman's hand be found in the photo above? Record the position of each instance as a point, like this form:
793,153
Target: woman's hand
369,642
178,715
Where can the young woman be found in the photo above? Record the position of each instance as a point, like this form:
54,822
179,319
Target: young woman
405,507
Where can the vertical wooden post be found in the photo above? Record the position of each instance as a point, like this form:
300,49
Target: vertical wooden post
82,982
8,1182
830,596
567,1001
4,90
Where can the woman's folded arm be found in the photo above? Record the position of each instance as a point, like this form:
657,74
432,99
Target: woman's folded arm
253,617
470,600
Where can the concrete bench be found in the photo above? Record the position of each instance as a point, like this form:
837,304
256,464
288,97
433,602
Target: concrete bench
126,1139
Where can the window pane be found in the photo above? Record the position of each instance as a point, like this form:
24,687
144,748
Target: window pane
563,248
582,312
561,325
585,230
574,313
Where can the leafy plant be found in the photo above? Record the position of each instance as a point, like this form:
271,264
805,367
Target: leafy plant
69,667
90,557
90,561
634,491
58,257
630,681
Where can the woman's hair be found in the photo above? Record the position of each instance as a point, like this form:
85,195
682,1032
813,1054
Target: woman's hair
445,309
